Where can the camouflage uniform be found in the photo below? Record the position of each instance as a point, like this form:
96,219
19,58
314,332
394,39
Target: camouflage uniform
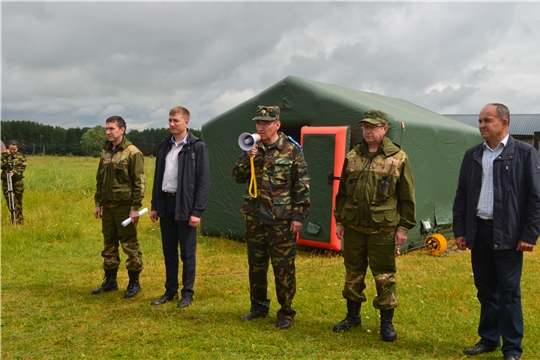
283,196
17,163
375,199
120,187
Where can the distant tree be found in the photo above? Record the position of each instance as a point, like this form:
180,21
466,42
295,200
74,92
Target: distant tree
92,141
195,132
39,139
73,141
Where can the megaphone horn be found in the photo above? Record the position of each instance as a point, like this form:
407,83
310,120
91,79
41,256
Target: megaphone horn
246,141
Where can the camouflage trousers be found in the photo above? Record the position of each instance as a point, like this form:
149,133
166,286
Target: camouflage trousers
276,244
18,189
114,235
377,251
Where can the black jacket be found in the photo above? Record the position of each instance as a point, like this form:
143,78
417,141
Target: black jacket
516,198
193,178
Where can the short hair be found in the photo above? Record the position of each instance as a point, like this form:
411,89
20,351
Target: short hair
13,142
180,110
120,122
502,111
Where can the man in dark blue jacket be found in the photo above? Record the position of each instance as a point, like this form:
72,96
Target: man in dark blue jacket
179,197
497,216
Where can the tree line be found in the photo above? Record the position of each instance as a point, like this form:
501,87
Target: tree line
39,139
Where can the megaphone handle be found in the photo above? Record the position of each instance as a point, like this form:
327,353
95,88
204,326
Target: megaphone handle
253,180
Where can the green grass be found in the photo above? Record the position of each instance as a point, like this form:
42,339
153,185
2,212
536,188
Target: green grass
50,265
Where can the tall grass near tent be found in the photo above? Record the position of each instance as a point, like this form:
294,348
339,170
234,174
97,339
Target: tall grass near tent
50,265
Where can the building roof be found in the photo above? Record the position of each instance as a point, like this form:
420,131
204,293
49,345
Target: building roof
520,124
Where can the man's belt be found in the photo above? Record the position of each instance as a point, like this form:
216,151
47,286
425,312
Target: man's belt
109,205
169,193
485,221
370,231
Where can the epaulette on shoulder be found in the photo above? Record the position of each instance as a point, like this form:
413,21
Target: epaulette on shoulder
294,141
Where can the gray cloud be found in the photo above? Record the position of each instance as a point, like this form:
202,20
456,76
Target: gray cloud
75,64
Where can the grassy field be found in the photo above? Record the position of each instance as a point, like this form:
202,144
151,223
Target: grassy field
50,265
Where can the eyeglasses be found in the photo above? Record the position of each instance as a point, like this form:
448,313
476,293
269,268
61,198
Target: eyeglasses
371,128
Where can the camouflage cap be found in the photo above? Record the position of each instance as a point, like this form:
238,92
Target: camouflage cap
375,117
267,113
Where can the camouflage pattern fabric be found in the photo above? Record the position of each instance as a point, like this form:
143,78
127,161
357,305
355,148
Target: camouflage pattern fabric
283,196
120,176
375,117
377,251
267,113
120,187
282,182
115,235
275,244
376,192
16,163
375,195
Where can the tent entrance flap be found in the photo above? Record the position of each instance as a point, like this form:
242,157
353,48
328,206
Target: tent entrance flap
324,151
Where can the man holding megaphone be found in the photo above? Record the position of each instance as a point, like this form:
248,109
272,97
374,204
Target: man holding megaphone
274,209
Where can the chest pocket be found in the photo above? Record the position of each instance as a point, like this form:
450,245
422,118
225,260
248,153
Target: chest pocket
121,173
281,173
352,183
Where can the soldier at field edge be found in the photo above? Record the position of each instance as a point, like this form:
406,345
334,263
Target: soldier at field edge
120,187
275,215
375,208
14,164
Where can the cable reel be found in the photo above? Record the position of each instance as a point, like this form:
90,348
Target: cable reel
435,244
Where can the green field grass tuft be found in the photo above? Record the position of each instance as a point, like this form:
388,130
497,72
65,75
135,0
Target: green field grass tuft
50,265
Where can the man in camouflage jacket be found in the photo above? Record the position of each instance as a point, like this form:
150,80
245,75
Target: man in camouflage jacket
275,215
14,164
375,208
120,187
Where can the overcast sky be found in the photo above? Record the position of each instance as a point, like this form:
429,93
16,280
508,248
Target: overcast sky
74,64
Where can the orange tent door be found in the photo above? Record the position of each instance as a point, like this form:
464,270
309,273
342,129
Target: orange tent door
324,149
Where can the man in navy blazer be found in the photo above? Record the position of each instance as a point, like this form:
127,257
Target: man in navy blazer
179,197
497,215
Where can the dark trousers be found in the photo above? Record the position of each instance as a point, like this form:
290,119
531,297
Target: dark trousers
173,233
497,276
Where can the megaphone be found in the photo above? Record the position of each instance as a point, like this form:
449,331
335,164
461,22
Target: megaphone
246,141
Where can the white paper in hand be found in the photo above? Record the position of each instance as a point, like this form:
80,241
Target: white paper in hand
128,220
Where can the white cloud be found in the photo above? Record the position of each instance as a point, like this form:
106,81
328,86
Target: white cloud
77,63
231,98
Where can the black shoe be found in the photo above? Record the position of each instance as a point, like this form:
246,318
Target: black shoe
512,357
353,317
109,284
253,315
479,349
185,302
134,287
346,324
388,333
284,324
164,299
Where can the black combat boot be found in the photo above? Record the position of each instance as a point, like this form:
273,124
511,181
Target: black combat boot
353,317
133,287
109,282
387,328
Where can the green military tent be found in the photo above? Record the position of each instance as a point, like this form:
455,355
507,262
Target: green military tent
435,145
